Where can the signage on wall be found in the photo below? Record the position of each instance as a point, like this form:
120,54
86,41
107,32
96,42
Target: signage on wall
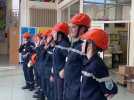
41,29
31,30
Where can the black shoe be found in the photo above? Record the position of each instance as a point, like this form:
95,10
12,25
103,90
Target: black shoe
41,98
25,87
37,92
31,88
36,96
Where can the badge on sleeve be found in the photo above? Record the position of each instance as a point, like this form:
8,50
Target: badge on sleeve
109,84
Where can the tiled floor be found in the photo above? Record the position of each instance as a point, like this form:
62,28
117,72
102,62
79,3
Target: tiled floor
12,80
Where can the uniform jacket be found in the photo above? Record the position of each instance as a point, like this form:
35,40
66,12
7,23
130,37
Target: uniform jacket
96,81
59,55
26,50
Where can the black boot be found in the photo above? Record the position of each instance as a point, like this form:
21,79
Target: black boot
41,98
37,92
31,88
36,96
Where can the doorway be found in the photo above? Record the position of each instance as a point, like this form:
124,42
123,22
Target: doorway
117,53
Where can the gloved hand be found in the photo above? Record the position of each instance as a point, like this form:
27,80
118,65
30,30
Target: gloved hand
29,64
61,74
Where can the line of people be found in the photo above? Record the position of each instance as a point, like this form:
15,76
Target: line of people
64,63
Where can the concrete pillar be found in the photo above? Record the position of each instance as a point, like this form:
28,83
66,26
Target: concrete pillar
81,6
69,14
131,45
59,11
24,18
24,13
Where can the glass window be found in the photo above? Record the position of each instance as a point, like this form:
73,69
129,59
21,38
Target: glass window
96,1
108,9
96,11
74,9
110,12
111,1
65,15
70,11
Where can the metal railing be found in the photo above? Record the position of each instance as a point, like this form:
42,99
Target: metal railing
42,17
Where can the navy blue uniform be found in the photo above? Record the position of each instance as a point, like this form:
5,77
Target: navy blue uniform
73,72
46,73
45,62
26,50
59,58
40,68
96,81
38,51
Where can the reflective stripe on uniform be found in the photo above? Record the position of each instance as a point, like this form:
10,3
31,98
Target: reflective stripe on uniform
49,52
69,49
76,51
32,46
100,80
61,47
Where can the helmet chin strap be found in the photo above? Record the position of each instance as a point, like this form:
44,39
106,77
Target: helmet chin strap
78,32
89,53
85,46
57,38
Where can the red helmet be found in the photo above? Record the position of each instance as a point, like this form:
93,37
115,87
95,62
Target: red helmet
61,27
46,32
26,35
33,58
98,36
81,19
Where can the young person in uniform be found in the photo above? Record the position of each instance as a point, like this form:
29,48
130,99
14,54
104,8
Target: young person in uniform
26,50
96,83
60,34
79,24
